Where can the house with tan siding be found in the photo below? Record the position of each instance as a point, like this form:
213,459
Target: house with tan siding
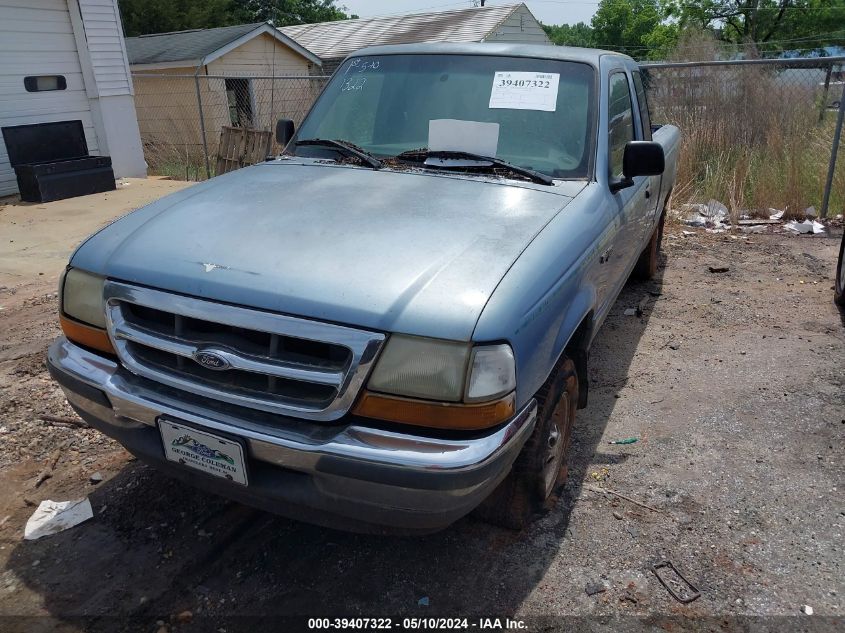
248,75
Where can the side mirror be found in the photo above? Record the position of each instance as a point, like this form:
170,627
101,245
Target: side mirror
643,158
284,131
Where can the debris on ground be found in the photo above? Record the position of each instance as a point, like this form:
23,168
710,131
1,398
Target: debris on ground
52,517
45,474
423,602
678,587
54,420
710,216
627,440
594,588
807,226
618,515
754,228
807,609
776,214
96,478
620,495
184,617
631,312
718,269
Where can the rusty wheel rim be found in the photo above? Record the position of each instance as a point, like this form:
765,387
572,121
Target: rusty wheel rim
555,447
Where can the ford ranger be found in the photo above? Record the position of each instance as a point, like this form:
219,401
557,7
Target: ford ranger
388,325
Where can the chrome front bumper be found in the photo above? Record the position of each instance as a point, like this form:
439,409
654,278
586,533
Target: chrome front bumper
342,475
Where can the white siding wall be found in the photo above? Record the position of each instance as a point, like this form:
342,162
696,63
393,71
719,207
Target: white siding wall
521,27
36,38
106,47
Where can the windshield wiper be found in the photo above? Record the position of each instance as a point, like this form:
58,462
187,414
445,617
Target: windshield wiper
345,148
423,154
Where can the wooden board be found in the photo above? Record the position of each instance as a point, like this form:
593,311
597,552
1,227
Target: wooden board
240,147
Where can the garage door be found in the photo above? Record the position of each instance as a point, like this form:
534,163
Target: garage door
40,74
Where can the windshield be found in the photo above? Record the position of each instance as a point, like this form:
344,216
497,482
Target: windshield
543,109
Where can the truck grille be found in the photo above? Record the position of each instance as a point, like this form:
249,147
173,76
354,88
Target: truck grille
252,358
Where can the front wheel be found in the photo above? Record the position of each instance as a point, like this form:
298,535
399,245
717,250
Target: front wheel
542,465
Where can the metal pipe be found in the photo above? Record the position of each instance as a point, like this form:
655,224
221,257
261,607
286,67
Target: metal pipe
837,134
789,63
160,76
202,118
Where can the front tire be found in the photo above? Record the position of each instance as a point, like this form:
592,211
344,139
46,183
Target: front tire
542,466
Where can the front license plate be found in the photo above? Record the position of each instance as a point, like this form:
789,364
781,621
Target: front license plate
212,454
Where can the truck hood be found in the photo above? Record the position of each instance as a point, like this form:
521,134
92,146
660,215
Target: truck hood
392,251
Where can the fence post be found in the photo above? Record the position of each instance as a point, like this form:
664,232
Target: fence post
202,126
833,153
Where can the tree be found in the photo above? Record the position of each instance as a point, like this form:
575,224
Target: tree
580,34
284,12
772,26
141,17
635,27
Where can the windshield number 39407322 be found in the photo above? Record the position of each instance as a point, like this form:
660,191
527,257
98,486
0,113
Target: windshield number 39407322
525,83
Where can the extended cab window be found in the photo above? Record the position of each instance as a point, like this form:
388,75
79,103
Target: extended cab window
642,102
620,117
384,103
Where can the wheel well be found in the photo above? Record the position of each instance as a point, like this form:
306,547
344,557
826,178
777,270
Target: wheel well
578,349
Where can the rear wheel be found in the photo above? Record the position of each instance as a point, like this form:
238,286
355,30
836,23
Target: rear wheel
646,266
542,465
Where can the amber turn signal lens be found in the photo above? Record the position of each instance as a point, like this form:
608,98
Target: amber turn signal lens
86,335
436,415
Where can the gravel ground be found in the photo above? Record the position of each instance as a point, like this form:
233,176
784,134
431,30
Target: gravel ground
733,384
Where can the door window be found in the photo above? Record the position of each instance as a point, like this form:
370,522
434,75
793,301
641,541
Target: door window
620,119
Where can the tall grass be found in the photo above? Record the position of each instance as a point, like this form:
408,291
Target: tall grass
754,137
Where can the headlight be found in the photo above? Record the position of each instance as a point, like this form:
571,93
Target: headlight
82,298
421,368
437,370
492,373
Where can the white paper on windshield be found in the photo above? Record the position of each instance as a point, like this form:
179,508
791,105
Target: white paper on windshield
525,91
463,136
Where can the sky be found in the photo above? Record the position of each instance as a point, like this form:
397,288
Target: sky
547,11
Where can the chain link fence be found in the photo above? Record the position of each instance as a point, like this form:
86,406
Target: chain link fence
757,134
182,117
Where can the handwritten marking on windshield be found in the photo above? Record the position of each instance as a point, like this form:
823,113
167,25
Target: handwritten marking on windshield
362,65
353,83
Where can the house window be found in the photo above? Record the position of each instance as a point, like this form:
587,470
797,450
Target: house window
239,98
42,83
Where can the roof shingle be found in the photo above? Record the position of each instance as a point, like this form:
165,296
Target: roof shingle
159,48
334,40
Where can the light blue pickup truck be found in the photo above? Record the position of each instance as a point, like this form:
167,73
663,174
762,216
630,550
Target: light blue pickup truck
387,326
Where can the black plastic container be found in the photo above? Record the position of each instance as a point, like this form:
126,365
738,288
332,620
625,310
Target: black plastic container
51,162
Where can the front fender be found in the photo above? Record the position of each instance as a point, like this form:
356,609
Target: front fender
548,292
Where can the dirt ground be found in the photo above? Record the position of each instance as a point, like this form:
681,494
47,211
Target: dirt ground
733,383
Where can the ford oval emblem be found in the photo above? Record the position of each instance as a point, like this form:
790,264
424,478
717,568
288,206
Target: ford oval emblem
212,361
